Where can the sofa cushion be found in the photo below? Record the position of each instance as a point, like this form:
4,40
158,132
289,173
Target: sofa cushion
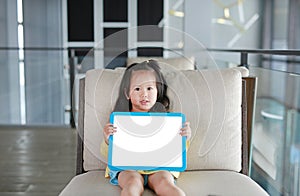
101,90
210,99
193,183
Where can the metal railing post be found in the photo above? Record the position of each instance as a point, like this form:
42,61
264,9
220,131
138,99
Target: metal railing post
244,60
72,62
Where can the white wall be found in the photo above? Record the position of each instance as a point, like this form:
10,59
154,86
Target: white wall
9,70
198,24
197,20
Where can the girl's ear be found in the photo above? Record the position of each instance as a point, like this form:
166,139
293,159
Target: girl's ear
126,94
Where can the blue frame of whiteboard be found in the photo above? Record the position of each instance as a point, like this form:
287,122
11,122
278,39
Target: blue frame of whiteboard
111,166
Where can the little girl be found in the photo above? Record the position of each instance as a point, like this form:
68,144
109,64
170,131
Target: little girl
143,89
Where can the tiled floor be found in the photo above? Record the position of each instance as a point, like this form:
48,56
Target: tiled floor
36,161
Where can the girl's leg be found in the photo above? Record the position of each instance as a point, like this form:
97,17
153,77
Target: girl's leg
131,182
162,183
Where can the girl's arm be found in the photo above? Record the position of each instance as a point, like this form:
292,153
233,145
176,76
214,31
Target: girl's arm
186,130
108,130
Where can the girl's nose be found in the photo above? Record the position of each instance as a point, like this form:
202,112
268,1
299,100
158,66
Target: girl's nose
144,93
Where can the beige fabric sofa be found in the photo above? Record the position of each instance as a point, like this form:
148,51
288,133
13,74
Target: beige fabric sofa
210,99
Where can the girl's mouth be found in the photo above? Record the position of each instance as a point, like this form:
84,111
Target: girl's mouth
144,102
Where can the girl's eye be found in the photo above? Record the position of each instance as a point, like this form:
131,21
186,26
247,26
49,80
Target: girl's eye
137,89
149,88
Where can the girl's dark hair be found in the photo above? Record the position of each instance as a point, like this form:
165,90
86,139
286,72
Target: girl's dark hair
162,103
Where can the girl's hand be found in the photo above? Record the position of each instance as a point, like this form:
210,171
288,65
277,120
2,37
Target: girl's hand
108,130
186,130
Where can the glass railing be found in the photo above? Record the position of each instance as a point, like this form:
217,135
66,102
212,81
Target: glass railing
275,154
276,136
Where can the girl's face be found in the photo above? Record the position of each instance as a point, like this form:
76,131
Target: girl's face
142,90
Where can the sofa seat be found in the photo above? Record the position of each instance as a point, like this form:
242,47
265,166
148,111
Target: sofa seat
218,183
192,182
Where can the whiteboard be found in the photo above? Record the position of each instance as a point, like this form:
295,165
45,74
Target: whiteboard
147,141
